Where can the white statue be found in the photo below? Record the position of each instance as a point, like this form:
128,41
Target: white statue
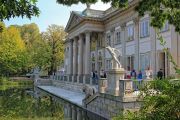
115,53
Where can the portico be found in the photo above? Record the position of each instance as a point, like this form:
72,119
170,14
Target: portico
81,32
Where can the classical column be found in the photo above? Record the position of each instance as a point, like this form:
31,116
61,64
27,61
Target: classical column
123,38
80,59
112,37
96,56
136,21
87,55
71,57
79,114
74,57
74,113
83,115
153,51
69,111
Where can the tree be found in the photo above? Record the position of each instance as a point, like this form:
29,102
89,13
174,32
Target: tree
13,55
55,36
37,48
17,8
160,10
161,104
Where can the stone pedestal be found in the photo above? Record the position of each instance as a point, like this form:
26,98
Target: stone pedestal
113,77
102,85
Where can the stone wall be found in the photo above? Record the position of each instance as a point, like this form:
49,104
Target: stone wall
110,106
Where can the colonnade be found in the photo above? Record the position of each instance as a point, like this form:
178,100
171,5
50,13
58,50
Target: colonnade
79,58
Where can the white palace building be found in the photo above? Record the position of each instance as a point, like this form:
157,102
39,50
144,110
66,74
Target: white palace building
91,30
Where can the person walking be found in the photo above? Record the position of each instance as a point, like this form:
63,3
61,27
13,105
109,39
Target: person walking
160,74
102,73
133,74
96,77
139,77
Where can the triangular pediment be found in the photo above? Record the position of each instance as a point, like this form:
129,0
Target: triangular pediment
73,20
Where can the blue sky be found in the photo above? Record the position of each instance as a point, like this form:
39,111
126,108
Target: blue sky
53,13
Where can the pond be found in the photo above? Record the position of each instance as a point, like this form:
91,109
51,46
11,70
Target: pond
17,104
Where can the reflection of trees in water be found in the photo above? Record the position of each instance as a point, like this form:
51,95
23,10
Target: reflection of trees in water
15,103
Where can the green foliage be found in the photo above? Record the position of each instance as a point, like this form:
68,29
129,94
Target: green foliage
161,101
18,8
12,52
55,37
161,11
37,48
23,48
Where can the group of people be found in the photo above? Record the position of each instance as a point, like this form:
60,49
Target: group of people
133,75
129,75
148,74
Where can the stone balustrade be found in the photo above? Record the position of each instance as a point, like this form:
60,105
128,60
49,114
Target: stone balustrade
82,79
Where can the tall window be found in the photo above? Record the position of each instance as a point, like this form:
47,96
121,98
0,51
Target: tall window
100,61
93,61
165,27
108,40
130,62
99,42
144,28
108,64
145,61
118,37
130,30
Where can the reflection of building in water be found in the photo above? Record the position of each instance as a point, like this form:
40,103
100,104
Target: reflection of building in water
91,30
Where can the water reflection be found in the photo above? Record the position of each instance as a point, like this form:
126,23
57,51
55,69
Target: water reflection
16,103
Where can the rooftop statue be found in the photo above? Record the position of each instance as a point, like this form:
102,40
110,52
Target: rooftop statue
115,53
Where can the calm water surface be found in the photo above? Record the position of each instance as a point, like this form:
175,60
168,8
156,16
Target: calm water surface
17,104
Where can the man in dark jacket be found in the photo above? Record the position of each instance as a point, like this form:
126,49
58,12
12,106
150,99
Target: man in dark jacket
160,74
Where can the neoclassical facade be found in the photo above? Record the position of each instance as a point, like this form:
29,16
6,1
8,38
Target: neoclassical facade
91,30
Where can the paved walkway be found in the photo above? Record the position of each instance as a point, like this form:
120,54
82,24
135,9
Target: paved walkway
72,96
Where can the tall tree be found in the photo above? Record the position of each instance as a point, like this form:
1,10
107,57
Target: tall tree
55,36
37,48
12,52
17,8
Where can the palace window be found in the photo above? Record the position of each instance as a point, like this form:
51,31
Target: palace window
100,65
108,64
118,37
130,62
108,40
145,61
99,42
130,30
165,27
144,28
93,57
93,66
100,56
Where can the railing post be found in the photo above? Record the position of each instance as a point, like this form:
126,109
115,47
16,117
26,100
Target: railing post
102,85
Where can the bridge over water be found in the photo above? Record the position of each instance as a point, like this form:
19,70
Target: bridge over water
102,105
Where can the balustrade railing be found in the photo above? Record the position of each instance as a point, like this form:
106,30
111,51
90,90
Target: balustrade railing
128,86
